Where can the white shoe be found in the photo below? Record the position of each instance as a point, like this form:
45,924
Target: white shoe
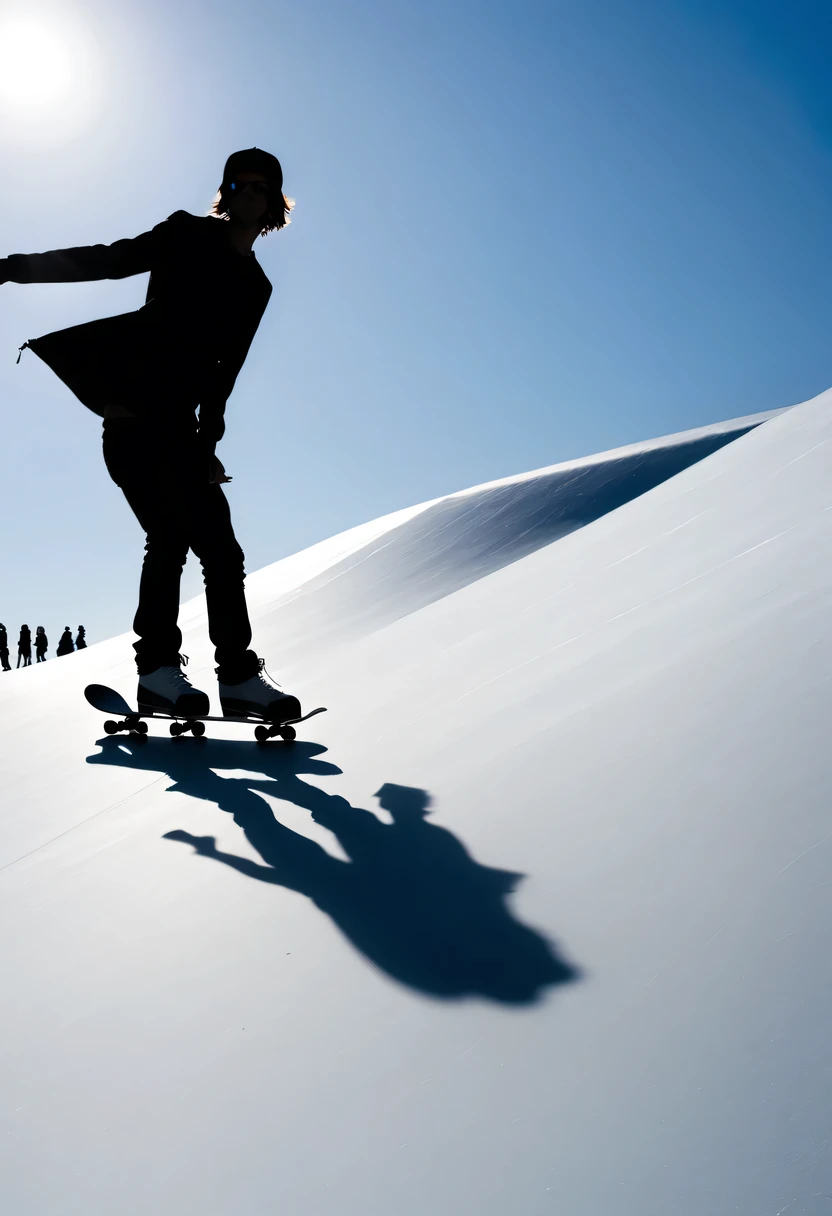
258,697
168,690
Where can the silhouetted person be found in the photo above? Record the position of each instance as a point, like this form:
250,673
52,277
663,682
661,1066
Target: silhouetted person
146,373
24,646
81,640
65,643
4,649
41,644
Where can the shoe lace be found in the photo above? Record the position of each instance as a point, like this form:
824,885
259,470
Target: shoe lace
264,675
180,682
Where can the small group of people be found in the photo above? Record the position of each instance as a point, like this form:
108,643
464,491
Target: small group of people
24,645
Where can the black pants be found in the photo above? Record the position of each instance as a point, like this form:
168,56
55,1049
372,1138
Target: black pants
26,656
164,476
41,655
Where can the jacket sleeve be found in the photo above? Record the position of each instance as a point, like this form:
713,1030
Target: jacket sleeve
88,262
212,405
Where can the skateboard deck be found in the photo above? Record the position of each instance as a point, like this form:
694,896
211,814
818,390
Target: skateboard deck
108,701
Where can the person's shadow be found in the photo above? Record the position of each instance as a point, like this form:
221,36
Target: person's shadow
410,897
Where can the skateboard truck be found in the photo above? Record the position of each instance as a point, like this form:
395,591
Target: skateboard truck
132,723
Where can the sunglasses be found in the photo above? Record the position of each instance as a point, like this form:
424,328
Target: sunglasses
261,188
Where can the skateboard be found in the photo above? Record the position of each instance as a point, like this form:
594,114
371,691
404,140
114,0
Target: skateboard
108,701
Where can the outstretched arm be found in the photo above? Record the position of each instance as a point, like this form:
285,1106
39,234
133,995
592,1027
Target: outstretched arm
86,262
206,847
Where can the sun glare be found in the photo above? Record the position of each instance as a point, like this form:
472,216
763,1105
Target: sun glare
36,67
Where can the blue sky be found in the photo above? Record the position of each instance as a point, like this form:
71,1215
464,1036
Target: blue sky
524,232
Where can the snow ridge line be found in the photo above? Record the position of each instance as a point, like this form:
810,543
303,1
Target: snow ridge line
81,823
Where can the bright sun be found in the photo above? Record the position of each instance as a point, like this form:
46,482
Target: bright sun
36,68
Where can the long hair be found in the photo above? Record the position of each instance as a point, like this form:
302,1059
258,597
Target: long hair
276,218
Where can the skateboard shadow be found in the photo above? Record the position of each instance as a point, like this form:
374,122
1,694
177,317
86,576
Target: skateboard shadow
410,898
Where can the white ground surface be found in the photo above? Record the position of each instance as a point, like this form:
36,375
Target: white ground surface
592,980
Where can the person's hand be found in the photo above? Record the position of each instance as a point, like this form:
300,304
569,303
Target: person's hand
206,845
216,472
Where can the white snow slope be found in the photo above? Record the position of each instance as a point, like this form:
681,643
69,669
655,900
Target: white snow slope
535,920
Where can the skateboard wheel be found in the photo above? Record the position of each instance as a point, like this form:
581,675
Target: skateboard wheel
111,727
175,729
141,727
198,729
288,733
261,733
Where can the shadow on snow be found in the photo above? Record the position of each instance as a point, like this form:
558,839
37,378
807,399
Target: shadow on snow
410,898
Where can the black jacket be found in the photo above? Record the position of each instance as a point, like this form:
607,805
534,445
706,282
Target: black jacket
65,644
184,348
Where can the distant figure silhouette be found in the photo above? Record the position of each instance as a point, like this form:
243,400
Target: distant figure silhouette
81,640
4,649
41,643
65,645
146,373
24,646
